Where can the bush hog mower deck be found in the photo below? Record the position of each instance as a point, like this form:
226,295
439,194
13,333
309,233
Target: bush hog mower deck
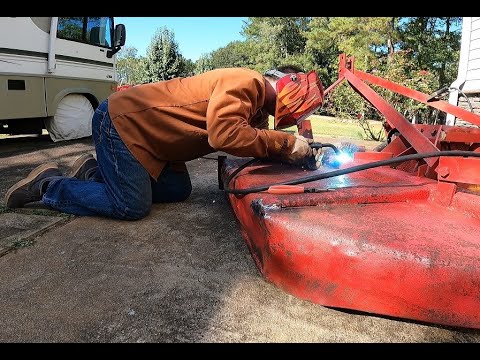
394,232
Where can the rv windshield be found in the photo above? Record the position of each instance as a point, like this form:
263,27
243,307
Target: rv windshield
91,30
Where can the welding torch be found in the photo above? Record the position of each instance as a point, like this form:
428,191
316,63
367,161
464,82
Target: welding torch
312,163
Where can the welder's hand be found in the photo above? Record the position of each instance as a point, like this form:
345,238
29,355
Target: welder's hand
301,151
315,161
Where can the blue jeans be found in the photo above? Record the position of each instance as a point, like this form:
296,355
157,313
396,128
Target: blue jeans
121,187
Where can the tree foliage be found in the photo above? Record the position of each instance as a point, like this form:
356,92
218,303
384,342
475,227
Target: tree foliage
129,66
187,67
435,43
235,54
274,41
203,64
163,60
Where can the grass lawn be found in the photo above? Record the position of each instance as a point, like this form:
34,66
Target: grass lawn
325,126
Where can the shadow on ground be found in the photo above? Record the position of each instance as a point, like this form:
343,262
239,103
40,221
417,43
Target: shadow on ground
183,274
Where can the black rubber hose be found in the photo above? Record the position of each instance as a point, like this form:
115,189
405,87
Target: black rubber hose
349,170
240,168
322,145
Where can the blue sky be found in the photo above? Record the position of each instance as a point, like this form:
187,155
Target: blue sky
194,35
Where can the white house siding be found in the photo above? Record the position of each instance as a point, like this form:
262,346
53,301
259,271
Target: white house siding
468,79
472,83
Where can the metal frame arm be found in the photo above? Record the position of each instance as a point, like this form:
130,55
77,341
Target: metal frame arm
420,97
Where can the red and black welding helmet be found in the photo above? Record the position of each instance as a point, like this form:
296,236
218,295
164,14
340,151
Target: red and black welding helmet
298,96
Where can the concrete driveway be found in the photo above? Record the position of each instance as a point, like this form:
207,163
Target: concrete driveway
183,274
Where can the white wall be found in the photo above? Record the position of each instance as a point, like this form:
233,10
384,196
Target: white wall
468,78
472,82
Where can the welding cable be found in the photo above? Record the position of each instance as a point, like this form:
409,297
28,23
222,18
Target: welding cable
349,170
314,145
318,145
240,168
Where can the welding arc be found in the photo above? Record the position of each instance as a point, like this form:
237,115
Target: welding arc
306,179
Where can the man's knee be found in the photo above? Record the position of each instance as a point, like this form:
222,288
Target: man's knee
177,193
132,209
183,193
132,213
173,185
183,189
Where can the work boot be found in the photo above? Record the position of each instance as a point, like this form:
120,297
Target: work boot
84,167
32,187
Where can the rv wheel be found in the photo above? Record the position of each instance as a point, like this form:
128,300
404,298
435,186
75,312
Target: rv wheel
72,120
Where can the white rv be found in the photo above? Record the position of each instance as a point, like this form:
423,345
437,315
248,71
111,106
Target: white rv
54,71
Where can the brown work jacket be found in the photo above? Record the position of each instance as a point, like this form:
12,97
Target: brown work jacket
185,118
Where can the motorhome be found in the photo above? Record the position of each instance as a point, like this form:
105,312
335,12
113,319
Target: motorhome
55,71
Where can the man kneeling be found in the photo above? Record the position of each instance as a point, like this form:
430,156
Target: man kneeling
144,135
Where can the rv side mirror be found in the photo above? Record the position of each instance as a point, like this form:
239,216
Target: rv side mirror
120,35
118,41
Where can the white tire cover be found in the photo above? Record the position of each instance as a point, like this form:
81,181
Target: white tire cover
72,120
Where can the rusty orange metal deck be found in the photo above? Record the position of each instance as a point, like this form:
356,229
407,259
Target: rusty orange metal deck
379,241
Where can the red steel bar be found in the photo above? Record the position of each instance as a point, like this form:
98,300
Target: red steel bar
420,97
334,85
418,141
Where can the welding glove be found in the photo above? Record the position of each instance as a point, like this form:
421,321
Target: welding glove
303,155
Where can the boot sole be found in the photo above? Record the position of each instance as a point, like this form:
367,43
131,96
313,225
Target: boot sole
79,163
33,174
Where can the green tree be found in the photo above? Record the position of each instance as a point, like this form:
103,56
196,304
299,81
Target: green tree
435,44
187,67
420,53
286,34
367,38
274,41
163,60
234,54
204,63
130,67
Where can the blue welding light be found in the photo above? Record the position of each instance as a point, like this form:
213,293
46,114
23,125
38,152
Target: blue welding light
344,157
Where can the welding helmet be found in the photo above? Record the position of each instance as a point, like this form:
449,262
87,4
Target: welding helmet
298,96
